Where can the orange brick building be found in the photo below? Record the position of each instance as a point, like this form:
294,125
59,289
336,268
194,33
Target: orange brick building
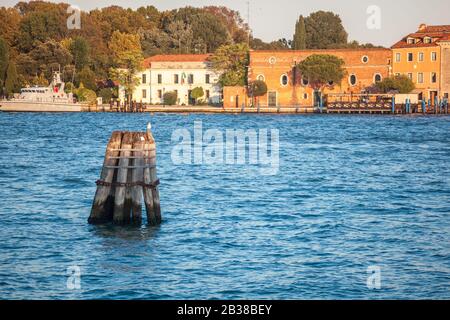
286,88
424,56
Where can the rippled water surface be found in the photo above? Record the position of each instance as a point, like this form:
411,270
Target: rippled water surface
352,192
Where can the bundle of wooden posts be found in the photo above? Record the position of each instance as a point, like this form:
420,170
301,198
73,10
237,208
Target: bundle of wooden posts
128,176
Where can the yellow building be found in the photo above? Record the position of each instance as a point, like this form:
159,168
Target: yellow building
424,56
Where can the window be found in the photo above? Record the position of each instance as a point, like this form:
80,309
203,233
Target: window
191,79
284,80
272,60
305,82
176,78
160,94
365,59
144,94
420,77
411,41
261,78
305,96
207,79
446,95
330,83
410,76
433,77
207,94
397,74
433,56
410,56
420,56
398,57
159,78
377,78
144,78
427,40
352,80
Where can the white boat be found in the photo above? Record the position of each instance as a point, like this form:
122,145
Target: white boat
43,99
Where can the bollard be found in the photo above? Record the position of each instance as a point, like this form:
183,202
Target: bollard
393,105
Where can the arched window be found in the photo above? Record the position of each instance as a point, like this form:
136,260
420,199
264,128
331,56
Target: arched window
352,80
261,78
305,96
284,80
377,78
365,59
272,60
305,82
331,83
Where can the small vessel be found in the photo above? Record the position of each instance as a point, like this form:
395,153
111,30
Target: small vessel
44,99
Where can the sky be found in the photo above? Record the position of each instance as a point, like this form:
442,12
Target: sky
274,19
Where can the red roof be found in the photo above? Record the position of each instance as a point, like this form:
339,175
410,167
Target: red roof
176,58
436,33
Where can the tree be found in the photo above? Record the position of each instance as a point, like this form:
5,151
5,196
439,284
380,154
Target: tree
12,80
85,95
321,69
197,93
324,30
170,98
79,48
4,59
231,61
50,56
127,55
87,78
299,42
106,94
400,83
258,88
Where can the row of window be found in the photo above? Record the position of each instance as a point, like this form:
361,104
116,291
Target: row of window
160,94
415,41
352,80
420,77
410,56
177,79
273,60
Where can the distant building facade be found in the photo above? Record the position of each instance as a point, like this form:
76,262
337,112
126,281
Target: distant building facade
424,56
176,73
364,68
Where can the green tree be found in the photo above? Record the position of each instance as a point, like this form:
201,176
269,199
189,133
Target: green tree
170,98
400,83
231,61
87,78
299,42
197,93
127,54
324,30
257,88
79,48
106,94
12,84
85,95
320,69
4,59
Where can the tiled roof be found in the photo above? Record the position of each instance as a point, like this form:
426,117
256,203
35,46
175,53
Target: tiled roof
176,58
437,33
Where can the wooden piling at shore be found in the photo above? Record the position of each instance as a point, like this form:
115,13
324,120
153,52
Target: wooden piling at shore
128,176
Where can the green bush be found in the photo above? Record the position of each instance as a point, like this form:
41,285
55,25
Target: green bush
106,94
400,83
170,98
85,95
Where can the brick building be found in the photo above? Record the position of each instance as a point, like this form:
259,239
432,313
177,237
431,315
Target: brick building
364,67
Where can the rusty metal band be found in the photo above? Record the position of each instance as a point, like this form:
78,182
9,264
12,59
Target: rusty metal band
153,185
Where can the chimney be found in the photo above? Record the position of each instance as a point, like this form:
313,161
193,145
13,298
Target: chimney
422,27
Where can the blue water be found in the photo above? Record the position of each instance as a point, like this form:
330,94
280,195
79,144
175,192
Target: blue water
352,192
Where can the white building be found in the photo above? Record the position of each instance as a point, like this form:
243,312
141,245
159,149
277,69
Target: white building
177,73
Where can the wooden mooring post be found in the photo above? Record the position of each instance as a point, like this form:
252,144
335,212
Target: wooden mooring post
128,176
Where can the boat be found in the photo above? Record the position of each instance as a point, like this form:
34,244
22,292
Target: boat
44,99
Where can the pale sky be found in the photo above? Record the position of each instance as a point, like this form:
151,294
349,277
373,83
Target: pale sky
274,19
